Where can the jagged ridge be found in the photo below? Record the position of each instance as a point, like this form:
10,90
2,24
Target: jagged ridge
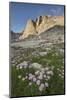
42,24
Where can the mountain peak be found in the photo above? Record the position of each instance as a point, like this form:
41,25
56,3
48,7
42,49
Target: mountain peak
30,29
41,24
30,21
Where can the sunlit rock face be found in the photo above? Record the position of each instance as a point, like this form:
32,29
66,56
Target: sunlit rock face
30,29
42,24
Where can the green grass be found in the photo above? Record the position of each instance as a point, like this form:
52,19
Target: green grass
56,83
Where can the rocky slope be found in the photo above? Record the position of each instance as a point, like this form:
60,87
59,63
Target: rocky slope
42,24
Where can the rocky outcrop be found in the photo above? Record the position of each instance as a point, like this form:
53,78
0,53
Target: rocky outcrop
42,24
30,29
46,22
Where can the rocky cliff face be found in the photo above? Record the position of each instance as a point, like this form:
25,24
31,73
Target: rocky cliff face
30,29
46,22
42,24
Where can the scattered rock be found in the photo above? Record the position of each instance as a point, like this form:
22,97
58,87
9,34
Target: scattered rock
36,65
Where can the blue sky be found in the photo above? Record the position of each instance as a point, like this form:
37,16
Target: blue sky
21,12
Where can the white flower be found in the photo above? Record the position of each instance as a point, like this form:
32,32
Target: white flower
30,83
20,67
30,74
48,77
40,77
41,73
30,78
37,72
63,70
38,82
34,79
23,79
19,76
58,69
63,61
46,84
44,76
23,64
46,68
59,74
17,66
49,72
41,87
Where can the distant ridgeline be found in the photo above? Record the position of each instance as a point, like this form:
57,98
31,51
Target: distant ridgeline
14,36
